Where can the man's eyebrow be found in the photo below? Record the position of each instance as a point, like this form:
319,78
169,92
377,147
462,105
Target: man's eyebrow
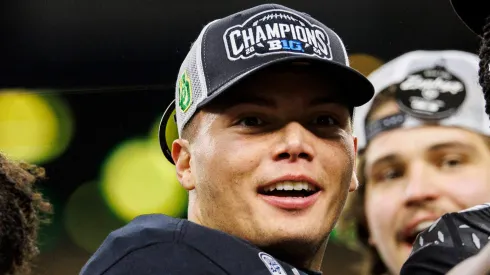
436,147
384,159
452,144
326,100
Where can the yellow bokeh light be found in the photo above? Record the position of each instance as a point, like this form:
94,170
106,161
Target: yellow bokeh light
154,130
365,63
33,127
170,131
138,180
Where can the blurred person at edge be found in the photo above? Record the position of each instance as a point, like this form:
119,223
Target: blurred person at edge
424,151
22,211
467,228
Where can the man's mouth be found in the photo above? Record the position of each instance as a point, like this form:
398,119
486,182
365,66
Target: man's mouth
409,235
290,195
289,189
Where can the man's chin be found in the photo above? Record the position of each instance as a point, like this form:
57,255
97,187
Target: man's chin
406,249
290,233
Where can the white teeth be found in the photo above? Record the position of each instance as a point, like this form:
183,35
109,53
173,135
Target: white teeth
291,185
422,226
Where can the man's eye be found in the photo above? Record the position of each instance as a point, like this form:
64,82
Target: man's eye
388,174
250,121
325,120
450,161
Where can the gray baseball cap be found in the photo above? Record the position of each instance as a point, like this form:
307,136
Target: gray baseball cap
229,49
430,87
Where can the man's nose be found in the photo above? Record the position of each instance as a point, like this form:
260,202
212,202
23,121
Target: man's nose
295,144
420,187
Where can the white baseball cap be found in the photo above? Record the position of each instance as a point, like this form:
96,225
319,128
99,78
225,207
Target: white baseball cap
436,87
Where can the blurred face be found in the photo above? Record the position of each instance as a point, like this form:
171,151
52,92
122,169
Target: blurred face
271,162
416,175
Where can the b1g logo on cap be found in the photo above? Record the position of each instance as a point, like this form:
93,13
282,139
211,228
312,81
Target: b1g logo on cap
276,31
274,267
431,94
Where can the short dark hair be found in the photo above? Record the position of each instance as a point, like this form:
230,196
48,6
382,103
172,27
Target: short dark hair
22,209
485,63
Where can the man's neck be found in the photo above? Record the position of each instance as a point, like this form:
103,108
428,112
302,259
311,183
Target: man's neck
308,258
317,261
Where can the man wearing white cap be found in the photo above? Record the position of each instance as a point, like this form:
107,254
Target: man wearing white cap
424,150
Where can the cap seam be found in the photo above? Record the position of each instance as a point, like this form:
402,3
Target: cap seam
204,37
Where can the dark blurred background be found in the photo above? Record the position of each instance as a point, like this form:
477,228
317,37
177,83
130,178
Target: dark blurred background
83,85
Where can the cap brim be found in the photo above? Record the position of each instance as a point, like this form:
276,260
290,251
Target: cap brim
168,131
356,89
472,13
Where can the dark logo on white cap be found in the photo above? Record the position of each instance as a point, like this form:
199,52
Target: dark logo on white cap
276,31
432,94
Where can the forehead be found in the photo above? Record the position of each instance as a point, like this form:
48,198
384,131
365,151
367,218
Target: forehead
417,141
283,83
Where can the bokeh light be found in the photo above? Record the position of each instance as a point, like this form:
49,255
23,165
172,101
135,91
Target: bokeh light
155,127
87,218
34,127
137,179
365,63
49,233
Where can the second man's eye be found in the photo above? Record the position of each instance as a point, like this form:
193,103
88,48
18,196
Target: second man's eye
250,121
325,120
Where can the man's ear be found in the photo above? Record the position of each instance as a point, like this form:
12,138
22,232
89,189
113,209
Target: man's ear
181,156
354,183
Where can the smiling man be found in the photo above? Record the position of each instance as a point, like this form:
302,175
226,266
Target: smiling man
263,110
456,241
424,152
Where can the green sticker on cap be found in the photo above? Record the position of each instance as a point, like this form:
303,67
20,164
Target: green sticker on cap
185,92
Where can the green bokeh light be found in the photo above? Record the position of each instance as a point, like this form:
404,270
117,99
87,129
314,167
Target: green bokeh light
50,233
87,218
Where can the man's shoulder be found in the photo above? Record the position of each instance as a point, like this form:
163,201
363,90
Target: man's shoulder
157,244
143,231
451,239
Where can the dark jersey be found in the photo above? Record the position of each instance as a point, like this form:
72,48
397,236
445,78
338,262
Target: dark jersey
158,244
450,240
